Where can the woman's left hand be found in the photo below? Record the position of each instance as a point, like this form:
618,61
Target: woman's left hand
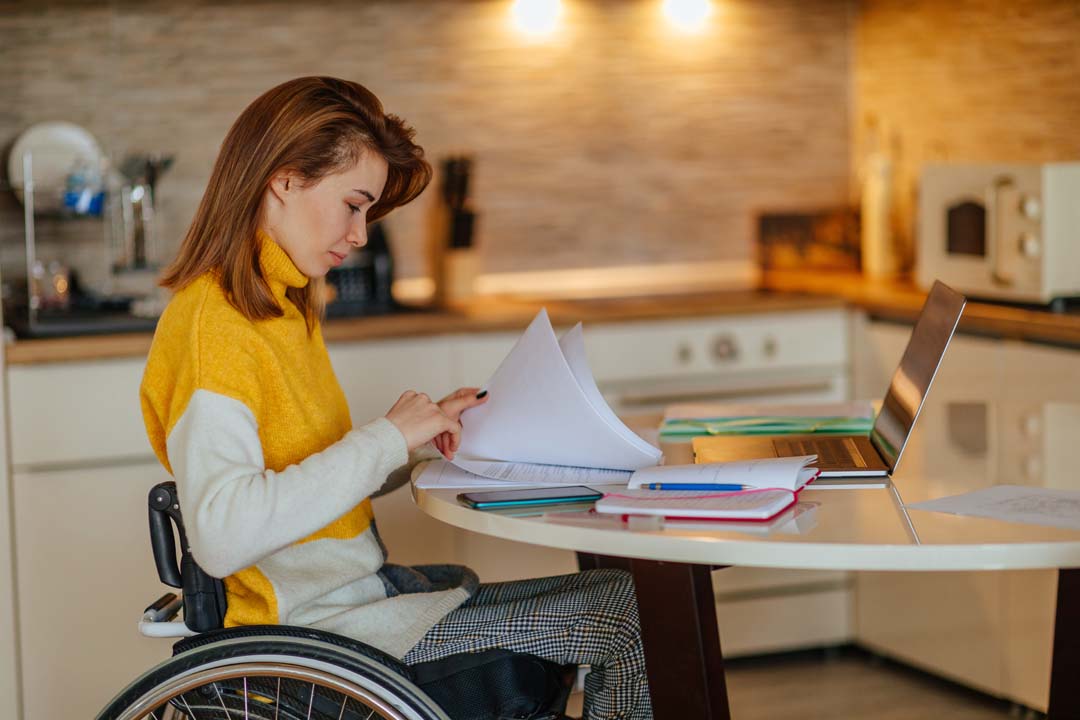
452,406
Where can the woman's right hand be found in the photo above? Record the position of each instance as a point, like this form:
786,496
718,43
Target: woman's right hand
419,419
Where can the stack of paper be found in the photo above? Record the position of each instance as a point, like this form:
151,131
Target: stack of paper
445,475
546,423
545,408
700,419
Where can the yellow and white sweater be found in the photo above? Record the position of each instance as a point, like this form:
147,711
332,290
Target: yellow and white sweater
273,480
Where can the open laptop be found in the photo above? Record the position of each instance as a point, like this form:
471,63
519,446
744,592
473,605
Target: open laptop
841,456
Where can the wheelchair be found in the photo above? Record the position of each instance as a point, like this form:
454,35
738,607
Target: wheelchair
281,672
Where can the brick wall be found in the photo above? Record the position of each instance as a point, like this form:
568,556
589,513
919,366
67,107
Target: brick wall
616,142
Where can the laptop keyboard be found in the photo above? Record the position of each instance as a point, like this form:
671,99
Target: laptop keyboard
832,453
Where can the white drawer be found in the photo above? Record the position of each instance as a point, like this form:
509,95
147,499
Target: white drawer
476,357
653,349
67,412
374,374
85,574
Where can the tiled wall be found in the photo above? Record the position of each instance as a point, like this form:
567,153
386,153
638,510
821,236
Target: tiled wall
616,142
966,81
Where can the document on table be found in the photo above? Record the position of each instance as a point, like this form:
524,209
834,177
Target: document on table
545,408
1013,503
441,474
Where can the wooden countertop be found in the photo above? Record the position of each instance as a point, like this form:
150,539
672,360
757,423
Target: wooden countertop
900,300
780,291
488,315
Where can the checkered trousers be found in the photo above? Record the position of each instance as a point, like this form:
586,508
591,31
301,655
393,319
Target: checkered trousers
590,618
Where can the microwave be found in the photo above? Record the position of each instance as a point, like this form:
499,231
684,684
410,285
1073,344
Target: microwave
1001,231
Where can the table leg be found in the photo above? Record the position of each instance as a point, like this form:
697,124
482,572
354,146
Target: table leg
678,628
1064,691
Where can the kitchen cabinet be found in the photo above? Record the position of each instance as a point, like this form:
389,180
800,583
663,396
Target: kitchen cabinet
9,661
82,467
991,631
85,572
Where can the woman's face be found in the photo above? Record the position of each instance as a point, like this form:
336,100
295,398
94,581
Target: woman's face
318,224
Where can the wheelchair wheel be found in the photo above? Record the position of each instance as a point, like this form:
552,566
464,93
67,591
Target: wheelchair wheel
271,678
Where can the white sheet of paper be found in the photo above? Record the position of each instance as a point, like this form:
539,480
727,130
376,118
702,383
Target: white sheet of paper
444,475
1013,503
546,474
572,345
539,413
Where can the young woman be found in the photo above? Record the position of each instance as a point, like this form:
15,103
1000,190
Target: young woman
242,407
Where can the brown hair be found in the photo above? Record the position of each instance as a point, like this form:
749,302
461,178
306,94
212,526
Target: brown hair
313,126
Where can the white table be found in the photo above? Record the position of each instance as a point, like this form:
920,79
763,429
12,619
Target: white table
845,530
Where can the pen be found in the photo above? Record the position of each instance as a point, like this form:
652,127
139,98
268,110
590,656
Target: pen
695,486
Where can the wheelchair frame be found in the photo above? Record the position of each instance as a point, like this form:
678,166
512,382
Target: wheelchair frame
281,672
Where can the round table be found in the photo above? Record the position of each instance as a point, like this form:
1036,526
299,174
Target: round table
834,529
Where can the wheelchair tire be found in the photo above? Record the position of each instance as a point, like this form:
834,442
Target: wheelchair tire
244,678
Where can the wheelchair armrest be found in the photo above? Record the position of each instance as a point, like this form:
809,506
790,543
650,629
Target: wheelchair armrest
204,596
164,509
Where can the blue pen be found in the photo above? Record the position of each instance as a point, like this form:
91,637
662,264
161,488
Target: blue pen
695,486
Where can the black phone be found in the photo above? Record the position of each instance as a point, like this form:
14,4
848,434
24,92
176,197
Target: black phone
533,496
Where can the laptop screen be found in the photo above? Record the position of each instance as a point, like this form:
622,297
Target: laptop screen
911,381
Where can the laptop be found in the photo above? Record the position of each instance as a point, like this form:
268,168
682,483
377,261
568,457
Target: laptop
843,456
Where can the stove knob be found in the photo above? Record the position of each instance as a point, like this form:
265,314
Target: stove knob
684,353
724,349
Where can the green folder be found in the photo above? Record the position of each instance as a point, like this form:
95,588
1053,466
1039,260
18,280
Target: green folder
765,425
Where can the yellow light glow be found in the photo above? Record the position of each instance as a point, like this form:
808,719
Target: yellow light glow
536,17
688,15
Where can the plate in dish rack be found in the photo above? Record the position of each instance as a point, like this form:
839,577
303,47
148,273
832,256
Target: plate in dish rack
55,149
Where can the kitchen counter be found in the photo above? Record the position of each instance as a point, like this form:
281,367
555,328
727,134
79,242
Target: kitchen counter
487,315
900,300
781,291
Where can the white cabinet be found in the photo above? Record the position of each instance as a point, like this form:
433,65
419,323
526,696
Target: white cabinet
85,572
374,374
76,412
992,631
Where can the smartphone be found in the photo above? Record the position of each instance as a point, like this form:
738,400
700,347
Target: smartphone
535,496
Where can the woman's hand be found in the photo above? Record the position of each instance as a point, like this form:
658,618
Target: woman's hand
420,420
452,406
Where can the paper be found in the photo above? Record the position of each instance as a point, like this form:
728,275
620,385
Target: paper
789,473
1013,503
442,474
546,474
544,408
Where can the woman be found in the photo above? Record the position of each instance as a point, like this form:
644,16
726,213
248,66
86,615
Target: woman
242,407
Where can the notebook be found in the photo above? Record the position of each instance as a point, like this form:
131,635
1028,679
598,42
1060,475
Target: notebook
757,505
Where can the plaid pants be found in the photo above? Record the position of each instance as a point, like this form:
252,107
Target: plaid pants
590,618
